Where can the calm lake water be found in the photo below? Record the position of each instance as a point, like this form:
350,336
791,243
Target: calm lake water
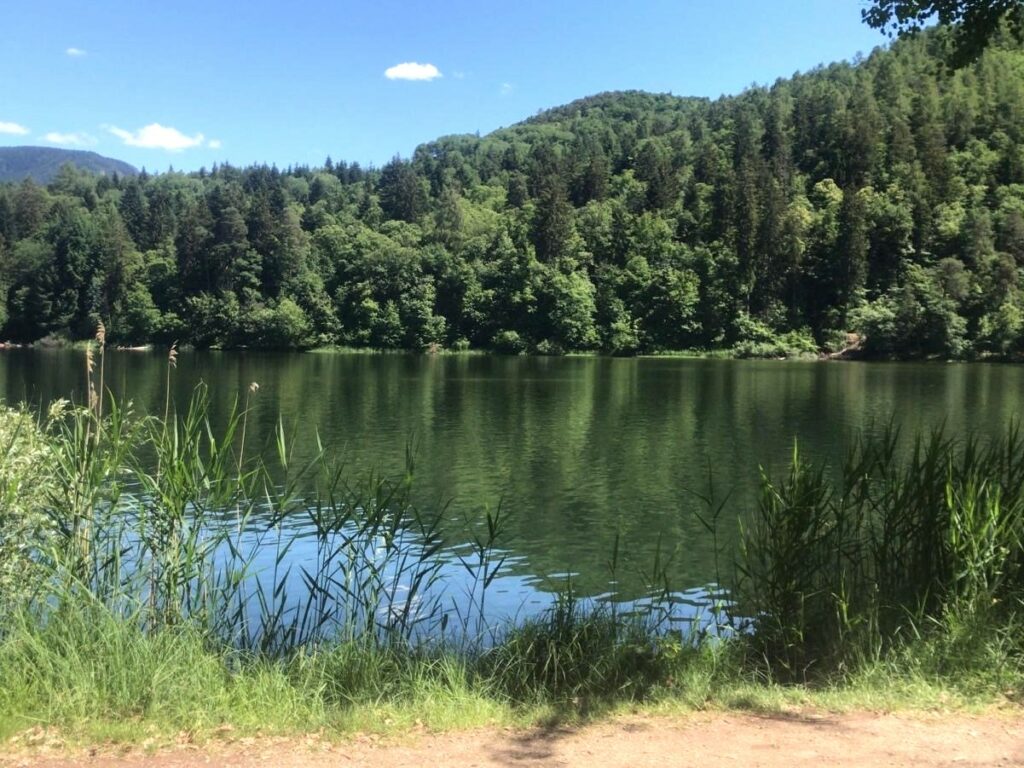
576,450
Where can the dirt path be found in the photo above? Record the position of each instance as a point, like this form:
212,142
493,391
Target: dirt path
708,740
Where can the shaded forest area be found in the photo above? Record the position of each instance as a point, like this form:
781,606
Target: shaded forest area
883,197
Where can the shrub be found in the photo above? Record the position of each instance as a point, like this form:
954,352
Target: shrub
757,340
508,342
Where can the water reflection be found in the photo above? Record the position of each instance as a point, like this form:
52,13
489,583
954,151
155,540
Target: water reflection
579,451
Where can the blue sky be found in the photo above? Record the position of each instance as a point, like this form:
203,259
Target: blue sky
189,83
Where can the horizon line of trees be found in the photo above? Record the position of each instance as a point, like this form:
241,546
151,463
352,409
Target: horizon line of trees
883,197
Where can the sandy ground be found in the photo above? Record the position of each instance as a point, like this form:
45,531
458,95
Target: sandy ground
705,740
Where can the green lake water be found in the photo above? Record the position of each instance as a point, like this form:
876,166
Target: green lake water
576,450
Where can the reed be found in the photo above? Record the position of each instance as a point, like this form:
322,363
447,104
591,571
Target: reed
836,572
179,545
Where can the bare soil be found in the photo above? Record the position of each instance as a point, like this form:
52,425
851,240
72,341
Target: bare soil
865,740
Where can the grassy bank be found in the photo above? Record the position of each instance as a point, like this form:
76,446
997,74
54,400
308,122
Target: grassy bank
96,679
147,587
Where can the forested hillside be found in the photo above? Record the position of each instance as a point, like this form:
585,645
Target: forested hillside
884,197
42,164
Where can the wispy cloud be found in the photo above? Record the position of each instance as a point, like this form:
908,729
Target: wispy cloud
13,129
214,144
411,70
70,139
156,136
76,51
506,89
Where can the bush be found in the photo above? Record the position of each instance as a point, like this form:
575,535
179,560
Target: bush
508,342
282,327
757,340
916,319
549,348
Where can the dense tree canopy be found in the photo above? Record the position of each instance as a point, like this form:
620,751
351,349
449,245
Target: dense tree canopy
977,21
883,197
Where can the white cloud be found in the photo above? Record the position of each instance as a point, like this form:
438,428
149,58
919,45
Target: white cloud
459,75
507,88
13,128
70,139
156,136
76,52
214,144
410,70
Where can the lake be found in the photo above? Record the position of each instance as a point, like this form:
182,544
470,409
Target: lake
578,450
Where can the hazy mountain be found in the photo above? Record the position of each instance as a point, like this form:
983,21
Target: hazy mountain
43,163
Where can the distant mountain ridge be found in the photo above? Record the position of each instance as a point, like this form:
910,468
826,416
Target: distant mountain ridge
41,164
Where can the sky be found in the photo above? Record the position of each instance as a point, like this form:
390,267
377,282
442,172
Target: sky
193,82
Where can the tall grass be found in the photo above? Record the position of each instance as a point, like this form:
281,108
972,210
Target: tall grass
181,545
25,457
903,546
584,656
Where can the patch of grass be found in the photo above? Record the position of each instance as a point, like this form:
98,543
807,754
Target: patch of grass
85,670
580,656
97,678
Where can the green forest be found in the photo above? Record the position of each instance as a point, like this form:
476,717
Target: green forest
877,204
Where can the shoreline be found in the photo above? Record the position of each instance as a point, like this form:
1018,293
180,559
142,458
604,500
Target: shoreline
683,354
